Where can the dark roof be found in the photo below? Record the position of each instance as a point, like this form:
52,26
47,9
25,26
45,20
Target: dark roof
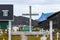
54,14
10,12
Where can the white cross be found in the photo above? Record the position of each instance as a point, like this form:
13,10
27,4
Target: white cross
43,37
57,35
51,33
30,16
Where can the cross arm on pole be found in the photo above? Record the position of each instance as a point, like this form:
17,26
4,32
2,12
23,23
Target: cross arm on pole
30,14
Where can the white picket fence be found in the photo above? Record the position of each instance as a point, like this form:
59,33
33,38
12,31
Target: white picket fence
29,33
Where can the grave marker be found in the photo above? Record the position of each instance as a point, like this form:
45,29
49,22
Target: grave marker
43,37
57,35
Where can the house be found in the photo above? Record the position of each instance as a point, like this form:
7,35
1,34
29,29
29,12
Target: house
6,13
56,21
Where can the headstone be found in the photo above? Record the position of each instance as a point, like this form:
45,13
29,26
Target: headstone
43,37
57,35
15,28
37,35
41,30
1,31
3,38
5,30
23,37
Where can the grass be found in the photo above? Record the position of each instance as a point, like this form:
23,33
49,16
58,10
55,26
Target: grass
29,37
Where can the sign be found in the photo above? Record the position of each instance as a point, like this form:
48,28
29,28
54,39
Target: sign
3,24
6,12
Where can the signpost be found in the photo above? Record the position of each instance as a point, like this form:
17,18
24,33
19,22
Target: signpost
6,16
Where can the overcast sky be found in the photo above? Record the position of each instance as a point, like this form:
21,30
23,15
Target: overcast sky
38,6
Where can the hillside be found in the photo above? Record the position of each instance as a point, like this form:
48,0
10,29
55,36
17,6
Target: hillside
23,20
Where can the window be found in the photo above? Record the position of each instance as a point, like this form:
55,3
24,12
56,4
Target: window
5,12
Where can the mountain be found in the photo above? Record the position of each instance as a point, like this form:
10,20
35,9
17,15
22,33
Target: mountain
44,16
23,20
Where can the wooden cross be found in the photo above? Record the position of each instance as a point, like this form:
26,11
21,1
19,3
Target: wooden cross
30,14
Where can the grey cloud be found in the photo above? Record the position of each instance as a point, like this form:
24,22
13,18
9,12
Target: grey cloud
32,1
